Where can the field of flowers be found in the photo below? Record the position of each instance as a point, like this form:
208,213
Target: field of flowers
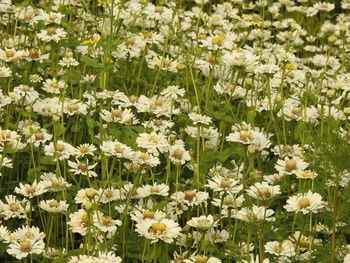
175,131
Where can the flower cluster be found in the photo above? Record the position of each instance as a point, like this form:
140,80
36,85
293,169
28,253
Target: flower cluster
174,131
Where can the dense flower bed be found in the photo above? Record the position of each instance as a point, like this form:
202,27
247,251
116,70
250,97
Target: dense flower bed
174,131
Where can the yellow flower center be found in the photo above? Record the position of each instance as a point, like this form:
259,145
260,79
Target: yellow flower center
51,31
53,204
10,53
304,202
189,195
201,259
290,165
106,220
72,107
246,136
157,227
13,207
25,246
117,113
60,147
177,154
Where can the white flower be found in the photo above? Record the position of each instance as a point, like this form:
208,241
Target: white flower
347,258
86,195
116,149
199,118
82,168
255,214
190,197
143,214
12,54
52,33
324,6
63,150
263,191
202,222
218,236
54,206
155,189
245,134
53,183
178,154
31,190
49,18
119,115
305,202
173,92
106,223
21,249
291,165
14,208
5,72
54,86
85,149
220,183
166,230
202,259
141,158
80,222
68,62
285,248
153,142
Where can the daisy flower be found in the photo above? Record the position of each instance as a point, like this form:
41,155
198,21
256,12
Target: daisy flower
255,214
263,191
199,118
178,154
82,168
31,190
119,115
190,197
202,222
52,34
14,208
280,249
220,183
5,72
23,248
53,206
291,165
166,230
305,202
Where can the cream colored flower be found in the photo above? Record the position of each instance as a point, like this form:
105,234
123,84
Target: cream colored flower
202,222
263,191
54,206
305,202
166,230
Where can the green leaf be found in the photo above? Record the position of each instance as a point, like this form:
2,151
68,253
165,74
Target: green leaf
76,127
90,122
225,154
221,116
34,173
251,116
47,160
59,130
74,76
205,244
92,62
310,96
